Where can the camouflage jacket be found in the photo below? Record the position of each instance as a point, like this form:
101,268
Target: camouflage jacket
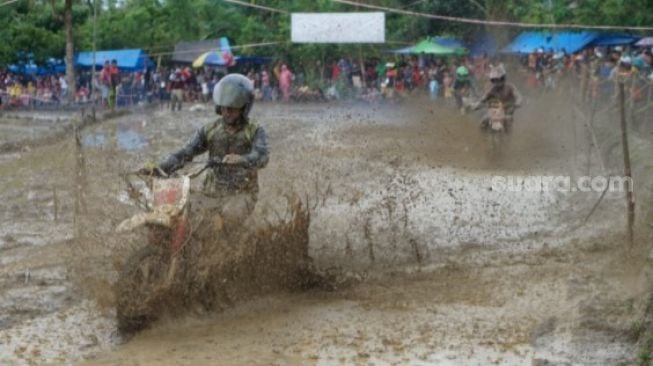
250,142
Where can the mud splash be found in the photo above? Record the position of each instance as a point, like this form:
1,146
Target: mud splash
217,269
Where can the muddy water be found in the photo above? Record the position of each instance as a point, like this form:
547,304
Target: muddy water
514,313
452,271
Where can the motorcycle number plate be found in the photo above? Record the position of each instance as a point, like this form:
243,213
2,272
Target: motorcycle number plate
496,114
497,125
169,191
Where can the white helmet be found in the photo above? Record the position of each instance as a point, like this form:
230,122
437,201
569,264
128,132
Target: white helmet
625,61
235,91
598,53
497,72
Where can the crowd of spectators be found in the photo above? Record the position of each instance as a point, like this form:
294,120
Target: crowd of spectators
369,80
595,70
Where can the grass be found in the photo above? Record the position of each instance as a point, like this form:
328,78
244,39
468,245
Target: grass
645,357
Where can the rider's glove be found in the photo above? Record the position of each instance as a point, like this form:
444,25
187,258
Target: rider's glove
150,169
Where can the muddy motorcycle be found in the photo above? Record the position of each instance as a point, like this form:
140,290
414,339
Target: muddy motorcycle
150,273
496,124
464,98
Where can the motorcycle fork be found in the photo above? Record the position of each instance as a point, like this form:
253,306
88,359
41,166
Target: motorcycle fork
179,237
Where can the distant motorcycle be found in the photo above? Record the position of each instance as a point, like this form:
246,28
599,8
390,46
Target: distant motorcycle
463,97
495,123
497,120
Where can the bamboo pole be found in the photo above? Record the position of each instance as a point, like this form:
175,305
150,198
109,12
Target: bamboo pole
93,73
627,170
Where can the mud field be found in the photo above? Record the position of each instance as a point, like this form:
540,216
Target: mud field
432,265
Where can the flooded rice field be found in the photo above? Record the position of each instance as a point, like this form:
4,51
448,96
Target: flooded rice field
435,265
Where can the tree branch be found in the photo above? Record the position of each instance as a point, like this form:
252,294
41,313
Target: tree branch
55,15
478,5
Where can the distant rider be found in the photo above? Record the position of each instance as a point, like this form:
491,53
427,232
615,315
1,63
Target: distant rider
231,188
462,86
625,73
500,91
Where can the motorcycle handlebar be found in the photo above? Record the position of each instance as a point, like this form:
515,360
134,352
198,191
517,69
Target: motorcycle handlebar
157,172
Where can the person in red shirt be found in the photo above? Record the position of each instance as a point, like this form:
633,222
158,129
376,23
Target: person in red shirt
335,71
114,77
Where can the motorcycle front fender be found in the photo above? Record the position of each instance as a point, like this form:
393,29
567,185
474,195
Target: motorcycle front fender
162,216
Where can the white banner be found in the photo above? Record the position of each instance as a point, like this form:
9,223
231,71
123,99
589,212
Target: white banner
338,27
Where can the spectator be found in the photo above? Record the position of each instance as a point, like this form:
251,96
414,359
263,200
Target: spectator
285,82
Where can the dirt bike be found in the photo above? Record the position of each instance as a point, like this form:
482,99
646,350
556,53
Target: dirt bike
464,95
152,271
495,124
189,262
498,123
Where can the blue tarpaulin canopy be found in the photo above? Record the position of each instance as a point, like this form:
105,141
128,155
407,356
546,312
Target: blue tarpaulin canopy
28,69
257,60
614,39
569,42
51,67
134,59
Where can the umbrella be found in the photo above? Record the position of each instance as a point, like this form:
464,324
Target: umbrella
214,58
645,42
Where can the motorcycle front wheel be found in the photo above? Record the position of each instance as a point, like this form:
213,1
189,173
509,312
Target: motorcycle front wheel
139,284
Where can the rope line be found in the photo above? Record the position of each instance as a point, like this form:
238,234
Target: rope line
256,6
489,22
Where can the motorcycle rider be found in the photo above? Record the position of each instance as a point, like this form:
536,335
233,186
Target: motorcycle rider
230,189
462,86
503,92
624,73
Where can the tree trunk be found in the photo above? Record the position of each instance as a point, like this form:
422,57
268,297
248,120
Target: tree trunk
70,49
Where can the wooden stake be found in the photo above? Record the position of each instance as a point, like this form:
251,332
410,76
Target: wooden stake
627,171
55,203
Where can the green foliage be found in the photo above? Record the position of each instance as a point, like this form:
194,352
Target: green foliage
156,25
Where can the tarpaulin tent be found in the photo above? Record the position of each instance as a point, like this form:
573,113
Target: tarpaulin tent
55,66
24,69
432,48
613,39
130,60
189,52
402,51
219,56
448,42
645,42
32,69
569,42
256,60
